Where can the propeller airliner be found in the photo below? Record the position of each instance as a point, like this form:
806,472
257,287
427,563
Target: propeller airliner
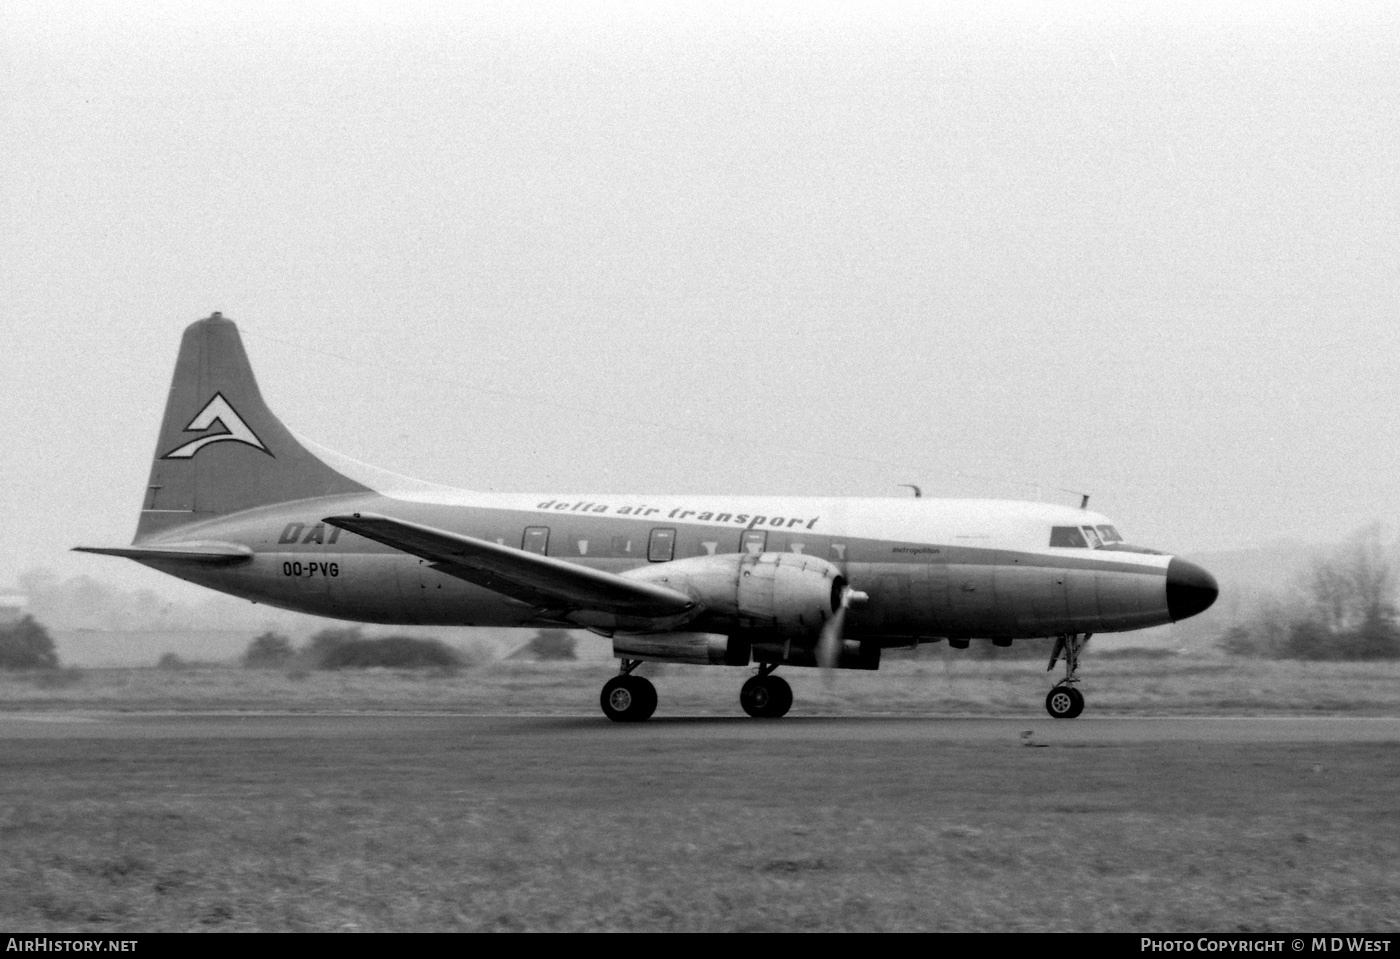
238,504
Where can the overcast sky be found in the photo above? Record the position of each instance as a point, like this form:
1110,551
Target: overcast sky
1147,252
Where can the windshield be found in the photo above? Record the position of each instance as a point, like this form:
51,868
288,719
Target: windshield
1084,537
1067,536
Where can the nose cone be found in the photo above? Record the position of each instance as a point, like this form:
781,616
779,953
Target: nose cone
1190,589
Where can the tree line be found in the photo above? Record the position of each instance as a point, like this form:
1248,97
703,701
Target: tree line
1343,607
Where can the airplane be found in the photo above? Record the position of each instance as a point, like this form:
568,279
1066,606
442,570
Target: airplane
238,504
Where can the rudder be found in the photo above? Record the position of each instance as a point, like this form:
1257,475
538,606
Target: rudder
221,449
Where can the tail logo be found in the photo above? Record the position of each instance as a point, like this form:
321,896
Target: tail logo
218,410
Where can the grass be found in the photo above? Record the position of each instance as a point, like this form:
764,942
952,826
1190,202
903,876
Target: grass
940,688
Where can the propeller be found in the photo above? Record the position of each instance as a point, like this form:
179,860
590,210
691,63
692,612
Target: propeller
829,643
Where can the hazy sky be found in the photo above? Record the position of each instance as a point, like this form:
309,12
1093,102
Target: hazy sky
1149,252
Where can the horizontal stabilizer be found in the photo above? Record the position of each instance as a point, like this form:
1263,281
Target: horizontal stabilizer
208,553
529,577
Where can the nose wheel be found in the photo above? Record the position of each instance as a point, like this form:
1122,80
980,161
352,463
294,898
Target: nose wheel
628,698
1065,701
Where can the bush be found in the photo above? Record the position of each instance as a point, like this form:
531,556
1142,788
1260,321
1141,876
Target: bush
550,644
1309,638
323,644
396,652
1240,641
27,645
269,651
171,661
1378,639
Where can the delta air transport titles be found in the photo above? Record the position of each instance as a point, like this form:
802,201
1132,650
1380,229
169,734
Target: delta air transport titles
236,503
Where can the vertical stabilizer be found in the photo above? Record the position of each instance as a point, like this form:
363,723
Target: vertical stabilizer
221,449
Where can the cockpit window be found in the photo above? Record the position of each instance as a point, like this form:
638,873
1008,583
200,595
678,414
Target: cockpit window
1067,536
1084,537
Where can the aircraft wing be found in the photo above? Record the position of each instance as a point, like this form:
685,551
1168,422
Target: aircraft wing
529,577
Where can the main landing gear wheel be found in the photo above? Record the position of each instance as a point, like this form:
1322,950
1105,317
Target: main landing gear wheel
1064,702
766,697
628,699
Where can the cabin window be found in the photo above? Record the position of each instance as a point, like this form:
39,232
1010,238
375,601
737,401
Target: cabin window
755,541
622,545
1109,534
536,540
662,546
1067,536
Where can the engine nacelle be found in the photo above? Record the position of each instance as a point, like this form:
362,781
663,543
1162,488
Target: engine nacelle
787,594
707,649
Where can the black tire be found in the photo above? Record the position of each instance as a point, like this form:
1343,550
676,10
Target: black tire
766,697
649,691
782,697
1064,702
628,699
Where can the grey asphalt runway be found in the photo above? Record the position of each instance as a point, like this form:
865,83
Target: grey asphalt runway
361,725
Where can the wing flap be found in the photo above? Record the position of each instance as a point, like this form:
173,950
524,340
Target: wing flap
529,577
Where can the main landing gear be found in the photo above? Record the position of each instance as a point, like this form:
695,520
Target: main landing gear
627,698
1065,701
766,696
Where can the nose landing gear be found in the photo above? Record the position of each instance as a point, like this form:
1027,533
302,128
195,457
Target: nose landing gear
1065,701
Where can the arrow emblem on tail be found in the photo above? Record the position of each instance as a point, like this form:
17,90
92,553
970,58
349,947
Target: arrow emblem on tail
218,410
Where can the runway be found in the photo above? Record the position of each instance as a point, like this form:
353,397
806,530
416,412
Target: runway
1088,730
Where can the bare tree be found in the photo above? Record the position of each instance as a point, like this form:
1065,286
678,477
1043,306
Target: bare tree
1344,608
1354,586
1372,571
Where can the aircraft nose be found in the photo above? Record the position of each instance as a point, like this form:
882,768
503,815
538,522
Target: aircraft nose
1190,589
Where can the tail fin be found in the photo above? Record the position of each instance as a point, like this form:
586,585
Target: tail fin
221,449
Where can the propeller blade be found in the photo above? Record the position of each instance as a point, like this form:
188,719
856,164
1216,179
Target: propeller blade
829,644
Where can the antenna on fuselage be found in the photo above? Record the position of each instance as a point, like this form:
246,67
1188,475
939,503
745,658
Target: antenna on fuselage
1084,502
917,492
